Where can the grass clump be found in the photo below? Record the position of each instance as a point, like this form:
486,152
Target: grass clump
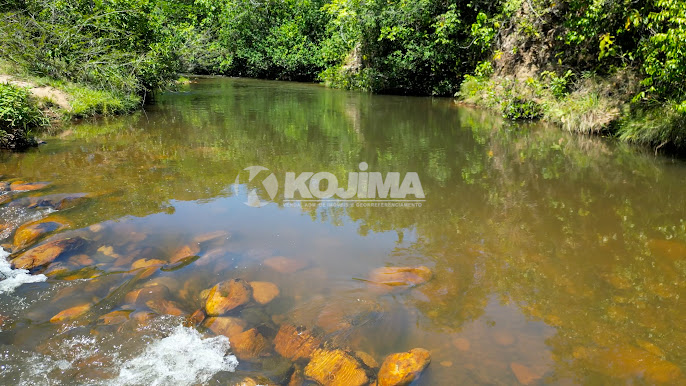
87,101
18,115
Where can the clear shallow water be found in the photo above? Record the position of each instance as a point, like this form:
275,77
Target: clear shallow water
555,258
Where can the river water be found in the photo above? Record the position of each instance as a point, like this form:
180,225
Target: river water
555,258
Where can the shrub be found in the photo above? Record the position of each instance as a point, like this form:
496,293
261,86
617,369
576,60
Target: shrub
18,114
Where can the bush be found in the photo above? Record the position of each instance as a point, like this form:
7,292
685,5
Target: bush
18,114
519,108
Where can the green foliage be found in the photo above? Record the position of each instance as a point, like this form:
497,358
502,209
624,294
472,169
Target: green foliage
18,114
518,108
121,46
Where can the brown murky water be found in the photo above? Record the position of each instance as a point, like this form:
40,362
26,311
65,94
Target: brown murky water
555,259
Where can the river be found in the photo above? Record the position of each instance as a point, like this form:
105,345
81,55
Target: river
554,258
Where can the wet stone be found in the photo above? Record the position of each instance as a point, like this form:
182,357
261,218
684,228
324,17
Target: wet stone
225,325
30,232
70,313
115,317
264,292
394,278
47,253
284,264
184,252
249,344
211,236
403,368
334,368
524,374
27,186
195,319
54,201
165,307
295,343
226,296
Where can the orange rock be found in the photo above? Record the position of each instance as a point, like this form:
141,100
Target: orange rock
367,359
400,277
30,232
211,236
225,325
115,317
107,250
28,186
131,296
143,263
56,269
226,296
248,344
165,307
447,364
184,252
284,264
524,374
142,317
293,343
403,368
297,378
264,292
335,367
47,253
81,260
462,344
195,318
70,313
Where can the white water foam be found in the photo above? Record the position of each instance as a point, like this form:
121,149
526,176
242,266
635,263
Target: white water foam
182,358
10,278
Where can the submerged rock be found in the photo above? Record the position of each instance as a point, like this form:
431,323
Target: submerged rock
54,201
226,296
403,368
185,252
70,313
249,344
195,319
216,235
264,292
28,186
391,278
47,253
284,264
335,367
367,359
115,317
165,307
524,374
225,325
294,343
30,232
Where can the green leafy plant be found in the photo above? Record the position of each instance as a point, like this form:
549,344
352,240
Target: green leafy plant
18,114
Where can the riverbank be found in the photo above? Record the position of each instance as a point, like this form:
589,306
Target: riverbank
31,104
587,105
